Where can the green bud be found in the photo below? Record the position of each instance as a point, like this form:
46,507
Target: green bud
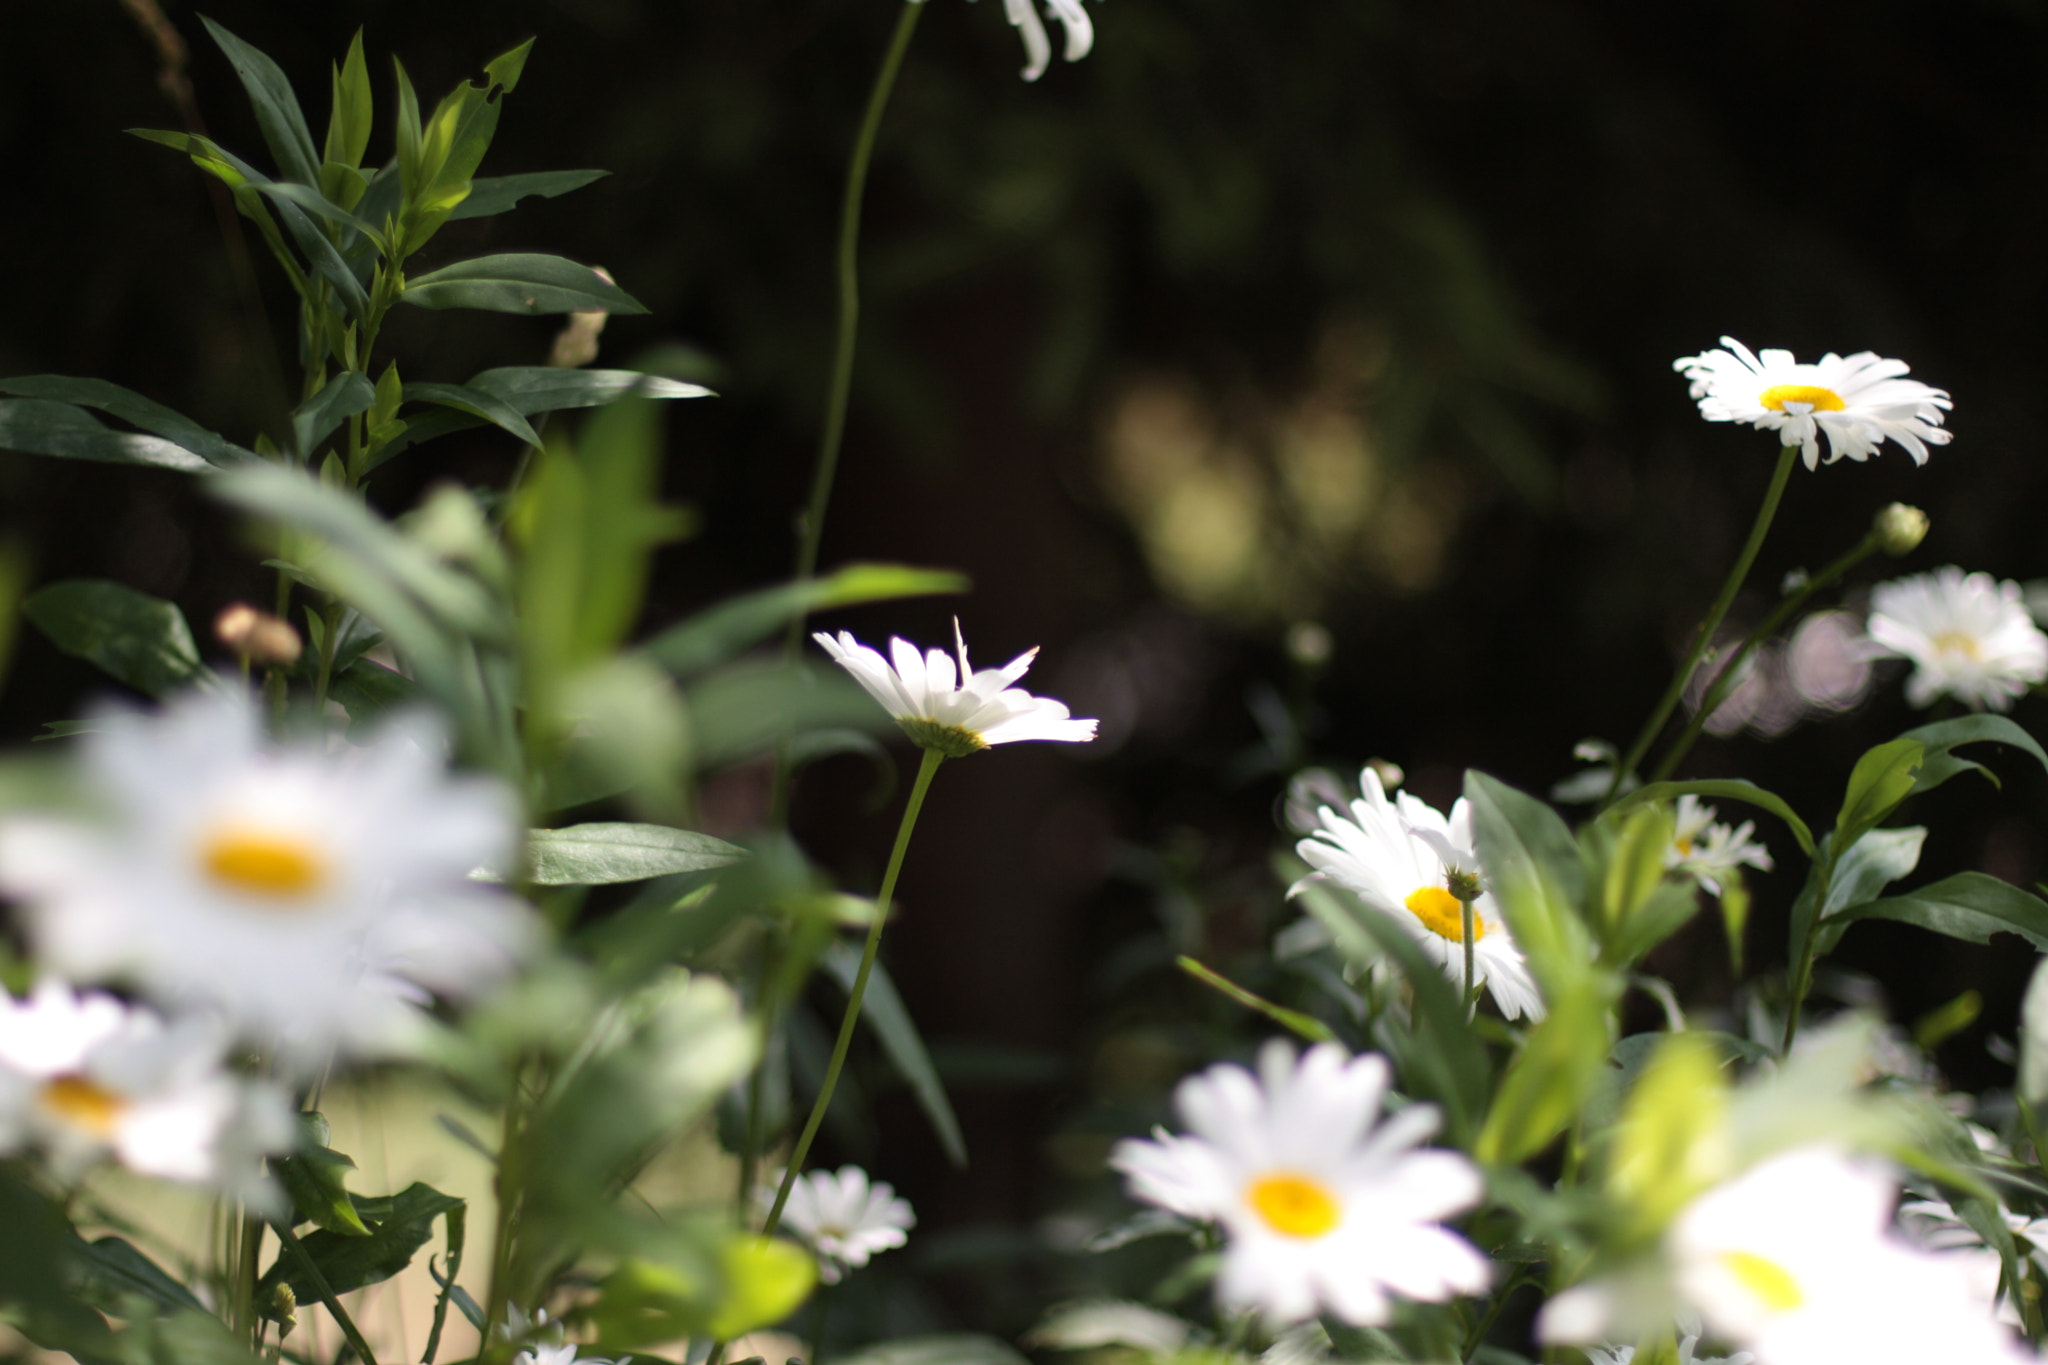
1901,528
954,741
1465,886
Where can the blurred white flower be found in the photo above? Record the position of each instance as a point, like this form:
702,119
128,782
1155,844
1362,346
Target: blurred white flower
1037,48
1858,402
845,1218
1968,635
84,1077
310,898
957,713
1791,1260
1392,856
1325,1208
1625,1355
1710,850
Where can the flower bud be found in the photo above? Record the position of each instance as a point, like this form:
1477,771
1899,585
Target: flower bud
1901,528
257,636
576,344
1466,886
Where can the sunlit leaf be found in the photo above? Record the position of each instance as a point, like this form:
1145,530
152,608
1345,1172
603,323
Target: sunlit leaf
603,854
137,639
490,195
131,407
520,282
40,426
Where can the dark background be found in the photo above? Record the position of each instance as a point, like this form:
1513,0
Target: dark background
1358,312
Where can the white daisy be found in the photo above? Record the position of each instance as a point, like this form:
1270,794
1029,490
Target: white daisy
310,898
1710,850
1324,1210
1858,402
1393,856
1791,1260
1037,47
1968,635
957,713
84,1077
845,1218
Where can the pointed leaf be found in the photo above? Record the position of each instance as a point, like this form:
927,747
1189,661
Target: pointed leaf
1730,789
315,1177
314,420
112,1269
133,408
1874,862
476,403
607,853
348,125
1944,735
711,637
884,1011
521,282
39,426
277,107
498,193
137,639
1534,872
1969,906
1882,778
399,1224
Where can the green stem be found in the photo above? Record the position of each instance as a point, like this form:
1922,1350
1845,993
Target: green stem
1725,681
932,759
1465,920
320,1287
839,390
1705,637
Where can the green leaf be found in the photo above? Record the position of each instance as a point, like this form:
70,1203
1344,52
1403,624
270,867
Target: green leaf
1872,863
1944,735
314,1177
528,389
399,1225
520,282
477,403
1535,874
39,426
607,853
140,640
348,126
1550,1080
314,420
884,1011
496,194
1883,777
1729,789
276,106
737,624
505,68
133,408
457,1221
1304,1026
316,202
1969,906
111,1269
367,690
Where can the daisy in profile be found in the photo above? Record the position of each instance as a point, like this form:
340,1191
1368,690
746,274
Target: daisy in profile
312,900
1324,1208
1859,402
1397,857
1709,850
86,1077
1037,47
1969,637
844,1217
955,712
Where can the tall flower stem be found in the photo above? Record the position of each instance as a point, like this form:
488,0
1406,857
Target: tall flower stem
932,759
839,391
1731,673
1705,637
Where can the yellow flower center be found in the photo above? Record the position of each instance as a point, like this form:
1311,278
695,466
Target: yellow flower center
1959,642
1440,913
1768,1280
1815,397
1295,1205
1685,846
263,863
84,1104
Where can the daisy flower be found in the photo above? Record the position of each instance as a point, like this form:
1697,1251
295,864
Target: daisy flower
1393,856
311,899
1858,402
1037,47
957,713
85,1077
1968,635
1710,850
1324,1208
844,1217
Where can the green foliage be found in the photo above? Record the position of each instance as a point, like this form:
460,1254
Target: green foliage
749,1283
713,636
136,639
1535,874
398,1226
1727,789
520,282
131,407
40,426
884,1012
604,853
314,1178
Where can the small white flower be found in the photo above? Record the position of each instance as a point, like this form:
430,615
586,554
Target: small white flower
957,713
1710,850
844,1217
1968,635
1625,1355
1858,402
84,1077
310,898
1037,47
1393,856
1324,1207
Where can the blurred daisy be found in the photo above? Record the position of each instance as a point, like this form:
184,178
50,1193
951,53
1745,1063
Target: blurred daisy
1710,850
1037,47
957,713
85,1077
1324,1208
845,1218
1858,402
312,899
1969,636
1396,856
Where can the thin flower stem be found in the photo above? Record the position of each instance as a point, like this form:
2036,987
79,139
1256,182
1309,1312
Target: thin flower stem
1725,681
839,390
319,1281
1736,575
932,759
1465,916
